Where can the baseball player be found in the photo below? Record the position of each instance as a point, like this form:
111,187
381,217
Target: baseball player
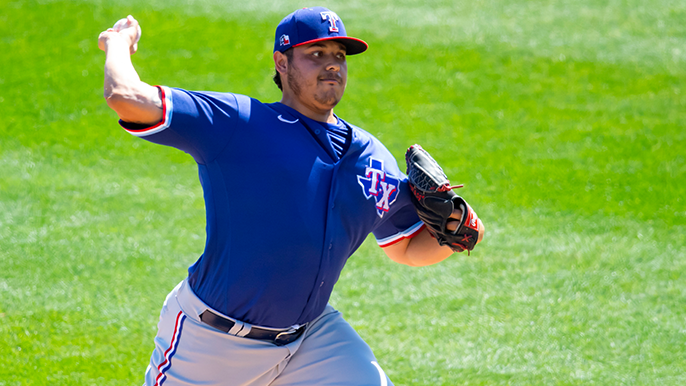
254,308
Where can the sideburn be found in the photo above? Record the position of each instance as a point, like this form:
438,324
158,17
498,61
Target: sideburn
293,80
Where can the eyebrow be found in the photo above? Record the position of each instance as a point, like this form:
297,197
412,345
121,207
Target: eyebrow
341,46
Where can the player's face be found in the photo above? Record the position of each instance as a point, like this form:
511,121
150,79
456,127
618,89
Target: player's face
318,73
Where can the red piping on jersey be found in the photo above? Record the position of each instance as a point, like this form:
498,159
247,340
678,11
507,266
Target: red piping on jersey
164,115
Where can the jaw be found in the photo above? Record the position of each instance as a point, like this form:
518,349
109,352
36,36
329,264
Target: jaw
315,98
329,95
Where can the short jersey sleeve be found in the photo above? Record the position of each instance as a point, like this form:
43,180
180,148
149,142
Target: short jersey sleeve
401,223
199,123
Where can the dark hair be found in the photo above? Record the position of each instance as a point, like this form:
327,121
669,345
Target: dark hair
277,77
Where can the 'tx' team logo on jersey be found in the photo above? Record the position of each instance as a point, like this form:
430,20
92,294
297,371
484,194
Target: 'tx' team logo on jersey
376,183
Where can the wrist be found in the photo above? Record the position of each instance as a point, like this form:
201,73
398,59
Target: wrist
110,40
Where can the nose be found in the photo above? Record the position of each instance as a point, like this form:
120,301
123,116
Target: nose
333,66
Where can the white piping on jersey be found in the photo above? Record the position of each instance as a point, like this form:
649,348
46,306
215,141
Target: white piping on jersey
282,119
407,233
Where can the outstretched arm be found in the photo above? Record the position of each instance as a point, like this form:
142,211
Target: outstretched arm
133,100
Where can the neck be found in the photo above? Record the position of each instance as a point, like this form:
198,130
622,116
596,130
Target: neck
308,111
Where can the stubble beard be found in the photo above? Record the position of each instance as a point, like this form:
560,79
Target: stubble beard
295,82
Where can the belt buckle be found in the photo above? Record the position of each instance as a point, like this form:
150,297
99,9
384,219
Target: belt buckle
282,338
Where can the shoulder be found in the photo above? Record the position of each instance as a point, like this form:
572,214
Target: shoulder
244,105
217,96
360,134
367,139
374,148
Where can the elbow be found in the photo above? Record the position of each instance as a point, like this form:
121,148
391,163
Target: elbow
137,104
114,93
114,100
122,103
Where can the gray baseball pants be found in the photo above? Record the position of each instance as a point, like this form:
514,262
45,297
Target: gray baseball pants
189,352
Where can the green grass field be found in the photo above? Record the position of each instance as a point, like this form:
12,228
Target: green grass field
564,119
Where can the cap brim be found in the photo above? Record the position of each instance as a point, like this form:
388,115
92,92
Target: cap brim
353,46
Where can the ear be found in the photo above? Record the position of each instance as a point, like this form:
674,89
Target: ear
280,62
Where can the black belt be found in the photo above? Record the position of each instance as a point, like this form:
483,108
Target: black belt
278,337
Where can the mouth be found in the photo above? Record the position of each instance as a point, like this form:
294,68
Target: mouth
330,79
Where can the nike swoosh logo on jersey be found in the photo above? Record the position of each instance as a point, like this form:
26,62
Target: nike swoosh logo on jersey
282,119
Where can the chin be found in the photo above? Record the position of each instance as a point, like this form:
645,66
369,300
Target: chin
329,104
328,99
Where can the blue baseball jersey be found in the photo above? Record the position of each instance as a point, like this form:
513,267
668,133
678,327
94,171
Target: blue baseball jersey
284,211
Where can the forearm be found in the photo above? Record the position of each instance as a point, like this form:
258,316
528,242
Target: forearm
419,251
132,99
423,250
121,78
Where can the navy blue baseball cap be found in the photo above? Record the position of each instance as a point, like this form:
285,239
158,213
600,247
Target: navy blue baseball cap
309,25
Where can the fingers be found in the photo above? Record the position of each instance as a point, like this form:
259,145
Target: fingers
457,214
452,225
127,22
133,24
104,36
101,40
128,28
139,32
120,25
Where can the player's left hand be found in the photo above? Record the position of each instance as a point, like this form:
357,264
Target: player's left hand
454,222
448,217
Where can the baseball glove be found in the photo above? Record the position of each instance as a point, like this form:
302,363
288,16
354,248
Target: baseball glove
434,199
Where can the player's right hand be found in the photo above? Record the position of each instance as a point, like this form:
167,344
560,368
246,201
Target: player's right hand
127,29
